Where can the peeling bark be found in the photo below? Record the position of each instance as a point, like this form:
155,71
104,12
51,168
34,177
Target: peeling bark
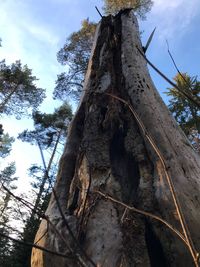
106,150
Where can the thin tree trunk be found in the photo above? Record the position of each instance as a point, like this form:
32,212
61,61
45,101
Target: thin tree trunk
5,101
46,176
5,204
123,142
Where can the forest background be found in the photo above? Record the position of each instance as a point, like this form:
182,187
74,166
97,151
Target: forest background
34,32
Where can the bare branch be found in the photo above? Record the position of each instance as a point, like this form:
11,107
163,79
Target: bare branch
35,246
5,101
43,216
23,201
74,83
98,11
145,213
186,82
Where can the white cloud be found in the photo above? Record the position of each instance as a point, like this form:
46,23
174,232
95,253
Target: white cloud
43,34
36,44
31,41
60,1
162,5
173,18
16,20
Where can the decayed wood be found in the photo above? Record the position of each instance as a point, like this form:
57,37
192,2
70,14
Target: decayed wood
106,150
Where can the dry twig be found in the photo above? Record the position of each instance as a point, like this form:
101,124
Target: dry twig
145,213
194,253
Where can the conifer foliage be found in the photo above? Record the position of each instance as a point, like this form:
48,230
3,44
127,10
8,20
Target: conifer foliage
18,91
7,211
75,54
141,7
49,132
186,113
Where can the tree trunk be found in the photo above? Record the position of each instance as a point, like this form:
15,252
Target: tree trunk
7,98
46,175
108,150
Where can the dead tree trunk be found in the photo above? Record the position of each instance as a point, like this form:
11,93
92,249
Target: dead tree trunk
123,142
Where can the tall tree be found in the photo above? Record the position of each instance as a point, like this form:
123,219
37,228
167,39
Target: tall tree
8,179
18,92
5,144
50,130
47,127
20,255
184,110
141,7
127,189
75,54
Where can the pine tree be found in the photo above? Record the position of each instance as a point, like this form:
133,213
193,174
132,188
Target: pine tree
184,110
18,92
50,130
75,54
8,179
5,144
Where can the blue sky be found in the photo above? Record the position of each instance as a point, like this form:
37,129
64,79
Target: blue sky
34,30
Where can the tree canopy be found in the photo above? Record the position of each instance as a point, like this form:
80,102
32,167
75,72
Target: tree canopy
141,7
47,126
5,145
186,113
49,131
18,92
77,48
75,54
7,212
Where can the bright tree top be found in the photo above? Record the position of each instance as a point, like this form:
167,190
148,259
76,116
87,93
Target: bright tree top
141,7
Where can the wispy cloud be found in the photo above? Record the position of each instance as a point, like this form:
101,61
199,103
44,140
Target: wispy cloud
42,34
29,40
173,18
16,19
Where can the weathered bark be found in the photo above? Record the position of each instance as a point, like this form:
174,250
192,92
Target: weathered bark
106,150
